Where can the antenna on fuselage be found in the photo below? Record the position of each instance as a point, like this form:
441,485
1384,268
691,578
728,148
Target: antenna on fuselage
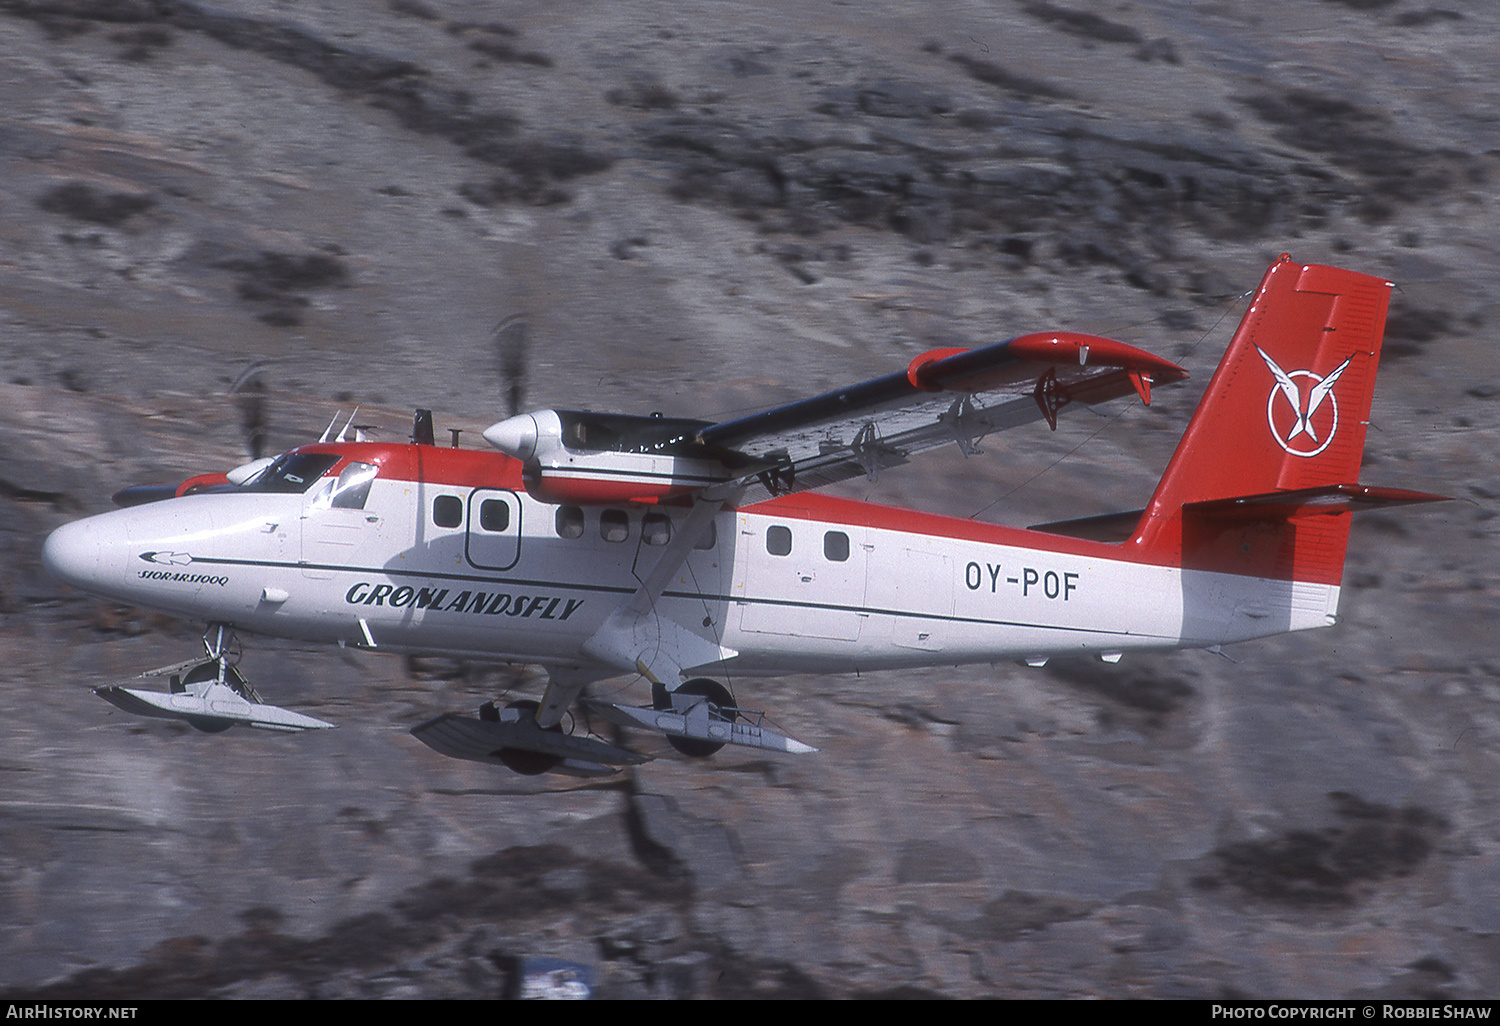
344,434
328,431
421,428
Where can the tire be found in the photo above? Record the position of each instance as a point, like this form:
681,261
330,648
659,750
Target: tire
720,706
527,763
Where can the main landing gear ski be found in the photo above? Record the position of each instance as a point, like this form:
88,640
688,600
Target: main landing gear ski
697,719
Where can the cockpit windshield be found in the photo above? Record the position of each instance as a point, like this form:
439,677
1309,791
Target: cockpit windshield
292,472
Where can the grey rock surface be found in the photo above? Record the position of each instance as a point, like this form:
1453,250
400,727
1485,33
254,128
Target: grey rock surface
220,224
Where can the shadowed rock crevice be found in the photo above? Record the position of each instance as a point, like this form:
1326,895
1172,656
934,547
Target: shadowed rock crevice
1083,24
83,202
1334,866
280,281
1363,142
1409,329
1133,691
993,74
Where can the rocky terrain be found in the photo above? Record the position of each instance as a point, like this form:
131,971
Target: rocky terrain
222,223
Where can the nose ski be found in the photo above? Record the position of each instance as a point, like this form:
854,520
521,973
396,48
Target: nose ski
211,695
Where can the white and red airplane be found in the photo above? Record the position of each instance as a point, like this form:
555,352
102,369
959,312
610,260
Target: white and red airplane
598,545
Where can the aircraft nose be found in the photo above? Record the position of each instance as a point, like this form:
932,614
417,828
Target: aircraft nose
71,554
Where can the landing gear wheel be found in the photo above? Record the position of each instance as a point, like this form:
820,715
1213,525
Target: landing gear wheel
518,760
720,707
202,674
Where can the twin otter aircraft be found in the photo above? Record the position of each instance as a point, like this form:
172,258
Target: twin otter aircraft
598,545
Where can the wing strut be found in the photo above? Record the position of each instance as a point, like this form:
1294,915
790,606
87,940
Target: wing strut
1051,396
635,634
967,425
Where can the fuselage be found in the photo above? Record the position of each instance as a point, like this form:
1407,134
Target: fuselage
423,549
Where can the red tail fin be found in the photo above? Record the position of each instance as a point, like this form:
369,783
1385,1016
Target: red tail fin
1285,412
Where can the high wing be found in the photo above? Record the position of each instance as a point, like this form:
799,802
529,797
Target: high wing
945,396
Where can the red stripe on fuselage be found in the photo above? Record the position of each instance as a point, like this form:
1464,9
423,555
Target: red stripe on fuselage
477,468
429,464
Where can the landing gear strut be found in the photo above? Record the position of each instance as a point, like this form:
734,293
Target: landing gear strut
527,763
698,719
511,737
691,698
224,650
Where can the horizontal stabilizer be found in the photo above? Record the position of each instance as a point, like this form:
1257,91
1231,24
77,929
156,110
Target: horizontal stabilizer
217,707
1345,498
699,724
480,740
1339,498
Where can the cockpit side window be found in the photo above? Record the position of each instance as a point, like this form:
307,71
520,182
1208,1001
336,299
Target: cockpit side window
447,511
292,472
353,486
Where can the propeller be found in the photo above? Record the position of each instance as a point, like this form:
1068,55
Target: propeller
511,337
249,393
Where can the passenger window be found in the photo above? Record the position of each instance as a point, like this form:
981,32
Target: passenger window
569,522
614,525
353,486
710,537
836,546
494,514
779,540
447,511
656,529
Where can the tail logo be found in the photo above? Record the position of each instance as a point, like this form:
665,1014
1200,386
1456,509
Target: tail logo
1302,428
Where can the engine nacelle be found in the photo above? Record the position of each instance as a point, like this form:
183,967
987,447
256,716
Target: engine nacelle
579,458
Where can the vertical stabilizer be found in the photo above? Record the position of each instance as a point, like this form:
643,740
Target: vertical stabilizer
1286,412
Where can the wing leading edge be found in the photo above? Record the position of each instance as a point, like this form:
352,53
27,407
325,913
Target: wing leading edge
945,396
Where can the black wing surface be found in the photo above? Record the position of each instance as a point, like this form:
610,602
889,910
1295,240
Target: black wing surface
945,396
